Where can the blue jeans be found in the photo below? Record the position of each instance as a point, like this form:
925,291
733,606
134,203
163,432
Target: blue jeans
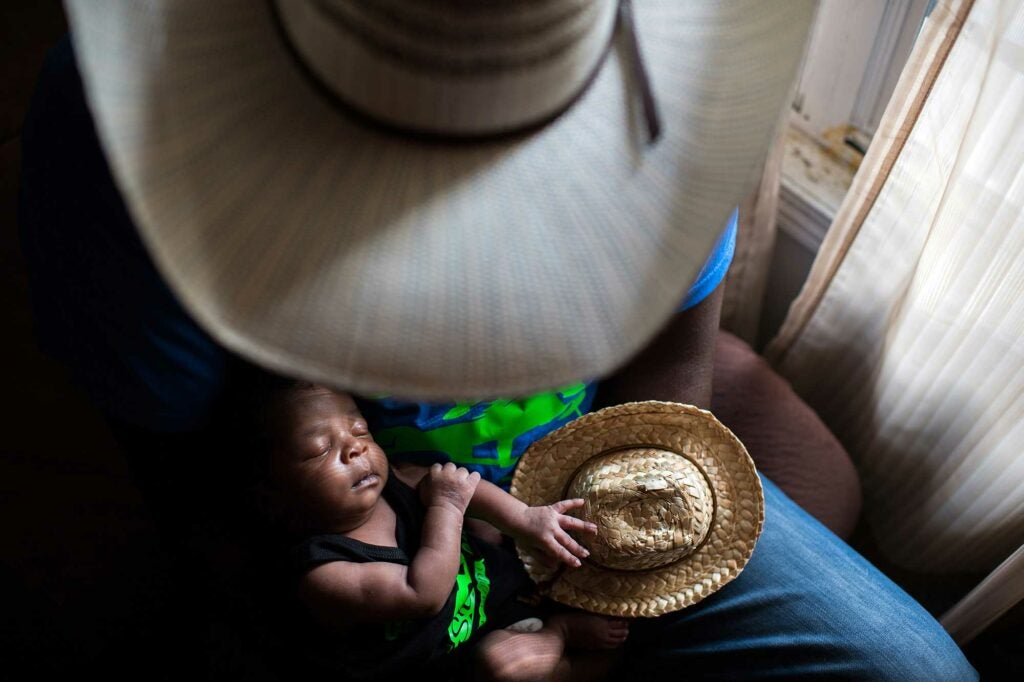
805,606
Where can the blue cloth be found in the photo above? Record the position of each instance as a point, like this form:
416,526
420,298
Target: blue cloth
805,606
717,265
488,437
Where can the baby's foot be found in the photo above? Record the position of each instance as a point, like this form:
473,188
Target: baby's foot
584,630
526,625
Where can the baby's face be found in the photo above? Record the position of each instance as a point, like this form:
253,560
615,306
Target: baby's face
326,464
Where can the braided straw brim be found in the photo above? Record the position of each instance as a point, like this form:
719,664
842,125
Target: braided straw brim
546,469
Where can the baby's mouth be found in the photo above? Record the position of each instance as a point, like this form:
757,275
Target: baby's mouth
368,480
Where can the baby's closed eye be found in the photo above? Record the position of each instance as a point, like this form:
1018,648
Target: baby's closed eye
317,452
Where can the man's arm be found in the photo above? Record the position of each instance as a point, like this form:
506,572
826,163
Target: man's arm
676,365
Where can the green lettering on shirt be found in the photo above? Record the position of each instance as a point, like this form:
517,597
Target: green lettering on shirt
471,589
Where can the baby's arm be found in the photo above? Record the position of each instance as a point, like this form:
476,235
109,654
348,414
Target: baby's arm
341,592
542,531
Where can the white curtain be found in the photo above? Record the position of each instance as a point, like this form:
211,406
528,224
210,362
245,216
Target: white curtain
908,338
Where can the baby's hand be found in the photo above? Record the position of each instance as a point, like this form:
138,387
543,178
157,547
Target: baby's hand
541,531
448,485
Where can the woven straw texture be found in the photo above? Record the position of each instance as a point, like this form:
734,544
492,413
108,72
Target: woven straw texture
675,496
324,248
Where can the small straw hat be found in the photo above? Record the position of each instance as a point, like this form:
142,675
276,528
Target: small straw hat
675,496
435,199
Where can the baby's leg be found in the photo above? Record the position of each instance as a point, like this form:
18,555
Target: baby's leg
508,656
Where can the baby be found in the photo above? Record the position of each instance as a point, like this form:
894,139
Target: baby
388,578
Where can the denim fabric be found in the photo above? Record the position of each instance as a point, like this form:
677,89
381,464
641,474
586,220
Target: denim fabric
806,606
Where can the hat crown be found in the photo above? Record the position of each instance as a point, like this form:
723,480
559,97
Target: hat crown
478,38
451,67
652,507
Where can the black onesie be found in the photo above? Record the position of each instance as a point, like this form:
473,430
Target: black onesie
492,590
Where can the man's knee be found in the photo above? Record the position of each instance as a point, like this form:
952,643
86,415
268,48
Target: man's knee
902,650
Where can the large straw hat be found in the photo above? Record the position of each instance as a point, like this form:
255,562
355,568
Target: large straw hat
675,497
259,145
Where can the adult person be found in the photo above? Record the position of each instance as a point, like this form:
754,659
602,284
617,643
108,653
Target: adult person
111,308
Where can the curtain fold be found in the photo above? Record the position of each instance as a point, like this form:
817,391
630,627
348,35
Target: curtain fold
988,601
908,337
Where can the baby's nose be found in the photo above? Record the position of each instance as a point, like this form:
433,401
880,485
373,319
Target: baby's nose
354,447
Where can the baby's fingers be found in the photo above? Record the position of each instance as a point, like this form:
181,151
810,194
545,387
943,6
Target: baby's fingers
572,523
574,547
562,554
563,506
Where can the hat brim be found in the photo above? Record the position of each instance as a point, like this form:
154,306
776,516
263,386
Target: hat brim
321,247
547,467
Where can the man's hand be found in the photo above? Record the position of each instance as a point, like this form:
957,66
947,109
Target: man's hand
448,485
542,531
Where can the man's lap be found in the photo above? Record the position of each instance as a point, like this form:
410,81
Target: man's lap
805,605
